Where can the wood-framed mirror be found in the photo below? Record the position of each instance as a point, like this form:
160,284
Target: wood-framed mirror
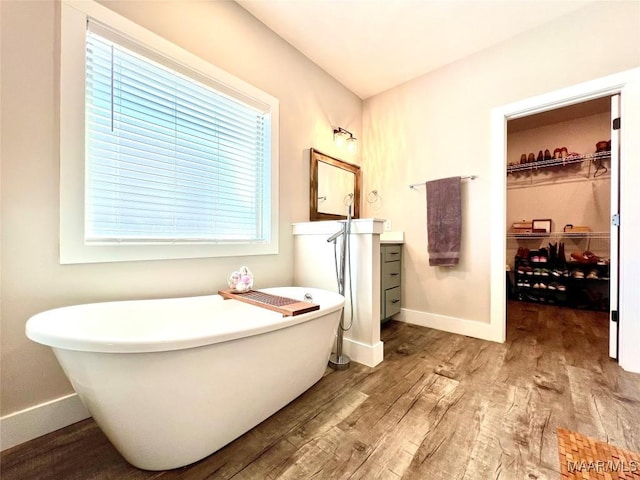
333,185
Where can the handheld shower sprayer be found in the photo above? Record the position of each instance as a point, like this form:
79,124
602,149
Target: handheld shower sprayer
337,360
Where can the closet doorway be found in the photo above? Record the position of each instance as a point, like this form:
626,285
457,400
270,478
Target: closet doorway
627,85
561,191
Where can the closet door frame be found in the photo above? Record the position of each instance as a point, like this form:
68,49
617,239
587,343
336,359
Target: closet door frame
627,84
614,265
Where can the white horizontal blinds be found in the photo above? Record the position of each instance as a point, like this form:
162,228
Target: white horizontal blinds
169,158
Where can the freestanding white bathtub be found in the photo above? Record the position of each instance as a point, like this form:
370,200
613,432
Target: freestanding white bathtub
171,381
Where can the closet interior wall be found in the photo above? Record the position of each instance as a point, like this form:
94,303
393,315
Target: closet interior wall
570,191
577,194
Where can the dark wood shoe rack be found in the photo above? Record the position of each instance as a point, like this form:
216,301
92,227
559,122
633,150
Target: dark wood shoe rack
581,290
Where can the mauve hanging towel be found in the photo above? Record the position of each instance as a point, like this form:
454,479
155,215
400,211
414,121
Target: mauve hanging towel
444,221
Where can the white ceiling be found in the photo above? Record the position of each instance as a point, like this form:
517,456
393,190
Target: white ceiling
562,114
373,45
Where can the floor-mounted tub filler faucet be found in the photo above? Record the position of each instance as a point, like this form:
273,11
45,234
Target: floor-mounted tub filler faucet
339,361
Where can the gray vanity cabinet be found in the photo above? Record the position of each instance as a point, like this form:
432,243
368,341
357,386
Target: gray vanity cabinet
390,279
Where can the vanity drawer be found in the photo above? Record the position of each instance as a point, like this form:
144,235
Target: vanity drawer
391,302
391,253
390,275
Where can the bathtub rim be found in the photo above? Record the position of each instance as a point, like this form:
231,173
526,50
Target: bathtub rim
37,331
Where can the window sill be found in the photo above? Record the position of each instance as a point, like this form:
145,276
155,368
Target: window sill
81,253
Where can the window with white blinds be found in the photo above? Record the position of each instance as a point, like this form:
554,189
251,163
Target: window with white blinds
163,155
168,157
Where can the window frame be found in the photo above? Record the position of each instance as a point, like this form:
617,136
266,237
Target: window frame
73,248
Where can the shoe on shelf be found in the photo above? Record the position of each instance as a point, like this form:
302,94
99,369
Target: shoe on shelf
592,275
561,287
561,257
547,154
577,274
591,257
552,286
579,257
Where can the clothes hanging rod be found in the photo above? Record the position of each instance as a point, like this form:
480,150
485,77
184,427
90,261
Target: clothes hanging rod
466,177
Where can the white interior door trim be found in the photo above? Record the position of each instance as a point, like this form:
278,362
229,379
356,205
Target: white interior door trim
615,237
628,84
629,258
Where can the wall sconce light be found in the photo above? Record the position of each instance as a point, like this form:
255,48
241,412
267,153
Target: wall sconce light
341,136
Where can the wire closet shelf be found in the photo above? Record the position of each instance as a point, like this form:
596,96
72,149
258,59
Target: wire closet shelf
557,162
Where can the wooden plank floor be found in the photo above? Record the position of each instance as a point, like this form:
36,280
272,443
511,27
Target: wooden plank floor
441,406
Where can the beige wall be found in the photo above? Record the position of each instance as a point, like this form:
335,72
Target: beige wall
32,279
439,125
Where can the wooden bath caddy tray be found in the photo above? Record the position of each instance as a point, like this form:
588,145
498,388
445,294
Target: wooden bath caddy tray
286,306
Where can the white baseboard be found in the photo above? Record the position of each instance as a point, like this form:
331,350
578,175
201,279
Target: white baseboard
369,355
33,422
471,328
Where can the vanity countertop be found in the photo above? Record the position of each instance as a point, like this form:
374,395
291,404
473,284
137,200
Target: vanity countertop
391,237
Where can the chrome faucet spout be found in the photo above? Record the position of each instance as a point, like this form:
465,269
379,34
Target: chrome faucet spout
335,236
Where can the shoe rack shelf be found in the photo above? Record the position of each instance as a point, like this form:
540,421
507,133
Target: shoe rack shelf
571,284
557,162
